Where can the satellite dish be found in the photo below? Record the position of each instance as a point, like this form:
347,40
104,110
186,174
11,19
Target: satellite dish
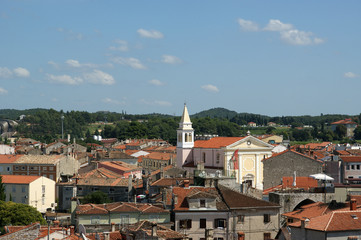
81,229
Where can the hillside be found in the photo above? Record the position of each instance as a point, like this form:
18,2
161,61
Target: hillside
216,113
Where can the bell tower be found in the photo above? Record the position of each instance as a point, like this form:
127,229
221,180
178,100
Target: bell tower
185,139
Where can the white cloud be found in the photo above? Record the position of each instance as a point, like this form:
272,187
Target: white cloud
287,32
210,88
278,26
296,37
5,72
70,35
73,63
99,77
156,82
248,26
171,59
122,46
3,91
21,72
350,75
150,33
131,62
54,64
65,79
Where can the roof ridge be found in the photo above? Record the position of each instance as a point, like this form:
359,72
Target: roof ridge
329,220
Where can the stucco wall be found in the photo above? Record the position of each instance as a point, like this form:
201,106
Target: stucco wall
285,164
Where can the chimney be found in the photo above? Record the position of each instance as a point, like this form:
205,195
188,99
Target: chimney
154,230
186,183
113,227
72,230
106,236
304,222
353,204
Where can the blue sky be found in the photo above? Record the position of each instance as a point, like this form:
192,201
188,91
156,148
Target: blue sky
267,57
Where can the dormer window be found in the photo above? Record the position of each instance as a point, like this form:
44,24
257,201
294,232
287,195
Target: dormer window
202,203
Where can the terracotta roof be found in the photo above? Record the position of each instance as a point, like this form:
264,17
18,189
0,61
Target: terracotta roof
8,158
164,169
301,182
100,236
162,231
309,211
182,194
40,159
345,121
351,158
160,156
118,165
18,179
164,182
334,221
216,142
236,200
116,207
291,151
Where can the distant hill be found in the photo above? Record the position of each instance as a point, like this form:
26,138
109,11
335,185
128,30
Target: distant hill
14,114
216,113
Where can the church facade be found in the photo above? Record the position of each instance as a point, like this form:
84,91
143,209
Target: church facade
239,157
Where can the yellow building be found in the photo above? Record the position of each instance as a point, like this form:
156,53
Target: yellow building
36,191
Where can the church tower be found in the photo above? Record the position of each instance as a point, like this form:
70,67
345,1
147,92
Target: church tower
185,139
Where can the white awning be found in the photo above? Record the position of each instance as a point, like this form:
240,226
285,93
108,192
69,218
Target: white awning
321,176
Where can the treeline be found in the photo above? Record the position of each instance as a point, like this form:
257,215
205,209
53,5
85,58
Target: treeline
46,125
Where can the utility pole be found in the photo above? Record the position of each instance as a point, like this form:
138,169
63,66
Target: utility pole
62,126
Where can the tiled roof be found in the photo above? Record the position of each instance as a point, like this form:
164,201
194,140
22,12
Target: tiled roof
118,165
164,169
18,179
162,232
309,211
160,156
345,121
334,222
101,236
8,158
118,207
236,200
216,142
351,158
291,151
170,182
182,194
301,182
40,159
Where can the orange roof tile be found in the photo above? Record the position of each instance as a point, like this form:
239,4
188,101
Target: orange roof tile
18,179
351,158
216,142
9,158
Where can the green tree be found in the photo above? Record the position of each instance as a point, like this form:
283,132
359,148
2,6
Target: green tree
357,133
96,197
341,131
2,190
18,214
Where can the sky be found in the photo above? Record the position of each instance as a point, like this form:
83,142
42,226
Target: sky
276,58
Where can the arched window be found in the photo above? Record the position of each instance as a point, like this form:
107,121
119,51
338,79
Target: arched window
190,137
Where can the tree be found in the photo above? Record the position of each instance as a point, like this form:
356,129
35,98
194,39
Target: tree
2,190
97,197
341,131
18,214
357,133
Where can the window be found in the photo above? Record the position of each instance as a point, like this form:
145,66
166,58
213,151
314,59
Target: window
23,168
23,200
204,157
43,189
185,224
217,238
202,223
266,218
220,223
124,219
358,166
14,189
51,176
95,189
352,167
218,157
23,189
95,219
16,168
347,167
44,168
80,189
8,169
240,218
266,236
202,203
111,190
51,168
290,220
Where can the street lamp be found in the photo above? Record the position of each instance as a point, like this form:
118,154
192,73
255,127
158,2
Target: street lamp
62,126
